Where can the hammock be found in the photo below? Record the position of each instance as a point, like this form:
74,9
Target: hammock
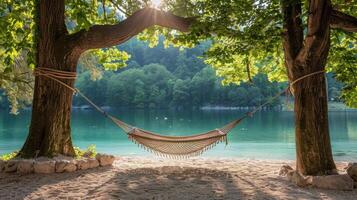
176,146
167,146
171,146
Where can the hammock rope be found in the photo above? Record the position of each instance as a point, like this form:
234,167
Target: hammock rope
162,145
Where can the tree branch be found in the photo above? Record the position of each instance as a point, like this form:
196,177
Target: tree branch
343,21
102,36
293,33
317,40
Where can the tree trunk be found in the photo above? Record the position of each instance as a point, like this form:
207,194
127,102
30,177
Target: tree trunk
303,57
50,132
313,147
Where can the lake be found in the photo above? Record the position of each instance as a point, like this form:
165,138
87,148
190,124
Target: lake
267,135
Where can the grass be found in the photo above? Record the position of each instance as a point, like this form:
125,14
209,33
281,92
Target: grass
80,153
8,156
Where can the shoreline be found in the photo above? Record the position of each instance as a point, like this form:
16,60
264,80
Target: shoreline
138,177
333,106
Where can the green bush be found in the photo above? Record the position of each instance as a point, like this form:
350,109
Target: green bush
89,152
9,156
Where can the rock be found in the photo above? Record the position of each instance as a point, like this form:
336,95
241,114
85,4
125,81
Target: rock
333,182
352,171
44,166
83,164
11,166
284,170
93,163
25,166
88,154
42,158
62,157
65,166
104,159
297,178
2,165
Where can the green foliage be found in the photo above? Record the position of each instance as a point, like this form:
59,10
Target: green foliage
343,63
89,152
9,156
246,36
111,58
250,32
16,51
162,78
16,84
172,78
16,32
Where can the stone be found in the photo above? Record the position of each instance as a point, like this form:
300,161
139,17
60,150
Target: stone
42,158
62,157
44,166
83,164
25,166
88,154
66,166
2,165
11,166
352,171
333,182
297,178
105,160
93,163
284,170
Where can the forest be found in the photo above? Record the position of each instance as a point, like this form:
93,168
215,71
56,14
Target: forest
159,77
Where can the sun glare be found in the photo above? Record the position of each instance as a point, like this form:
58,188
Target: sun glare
156,3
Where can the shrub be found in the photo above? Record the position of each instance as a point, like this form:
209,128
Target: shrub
9,156
89,152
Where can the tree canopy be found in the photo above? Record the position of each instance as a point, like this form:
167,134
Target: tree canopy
245,36
181,80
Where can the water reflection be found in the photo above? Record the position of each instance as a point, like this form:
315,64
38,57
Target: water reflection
266,135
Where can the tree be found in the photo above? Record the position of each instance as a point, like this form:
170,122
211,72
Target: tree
58,49
201,83
250,36
181,96
308,55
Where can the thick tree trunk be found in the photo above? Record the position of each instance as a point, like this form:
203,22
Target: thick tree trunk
313,147
50,132
303,57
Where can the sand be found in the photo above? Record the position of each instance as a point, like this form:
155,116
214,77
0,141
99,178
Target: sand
156,178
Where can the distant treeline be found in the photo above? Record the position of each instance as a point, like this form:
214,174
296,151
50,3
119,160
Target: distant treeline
168,77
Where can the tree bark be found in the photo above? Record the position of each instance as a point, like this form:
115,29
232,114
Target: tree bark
303,57
343,21
50,132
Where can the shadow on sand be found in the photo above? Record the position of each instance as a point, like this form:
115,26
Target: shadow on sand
167,182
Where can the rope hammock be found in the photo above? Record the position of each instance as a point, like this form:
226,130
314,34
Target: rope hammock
166,146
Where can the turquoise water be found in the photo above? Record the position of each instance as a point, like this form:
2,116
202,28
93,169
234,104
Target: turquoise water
268,135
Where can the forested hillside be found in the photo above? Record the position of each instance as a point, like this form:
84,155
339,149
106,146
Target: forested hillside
169,77
161,77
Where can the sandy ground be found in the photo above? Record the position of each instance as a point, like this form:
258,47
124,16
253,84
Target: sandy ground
155,178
